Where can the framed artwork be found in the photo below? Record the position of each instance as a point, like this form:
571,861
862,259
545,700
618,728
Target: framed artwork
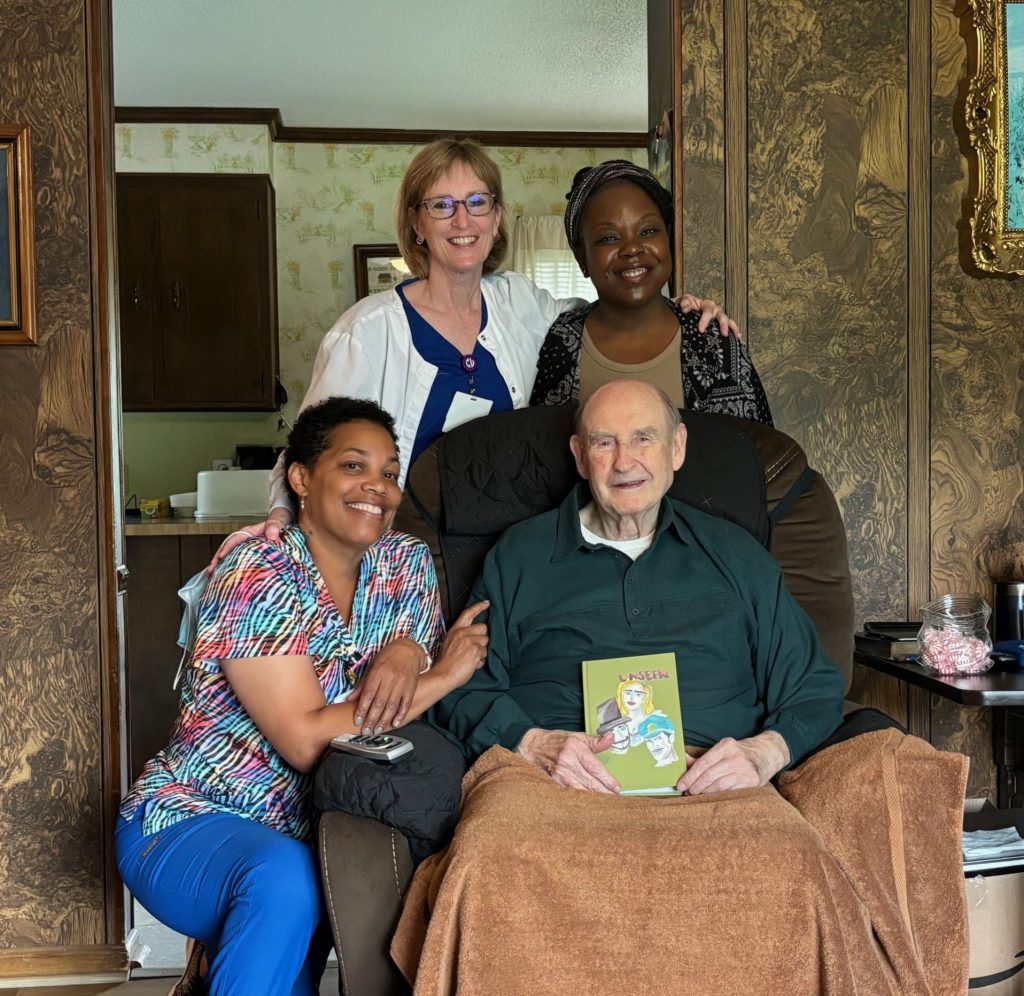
994,118
17,254
376,270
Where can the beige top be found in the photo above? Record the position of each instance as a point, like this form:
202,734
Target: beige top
665,370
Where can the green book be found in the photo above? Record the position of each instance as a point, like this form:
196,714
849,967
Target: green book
636,699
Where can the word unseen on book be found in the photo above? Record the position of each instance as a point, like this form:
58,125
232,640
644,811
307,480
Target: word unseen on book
636,699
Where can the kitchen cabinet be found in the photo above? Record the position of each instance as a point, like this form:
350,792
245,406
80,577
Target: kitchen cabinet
161,557
197,292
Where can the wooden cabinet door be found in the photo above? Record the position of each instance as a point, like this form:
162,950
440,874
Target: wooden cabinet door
159,566
214,314
138,250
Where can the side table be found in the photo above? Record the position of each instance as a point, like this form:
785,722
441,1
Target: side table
1000,691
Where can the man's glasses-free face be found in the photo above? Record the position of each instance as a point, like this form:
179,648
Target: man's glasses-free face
445,207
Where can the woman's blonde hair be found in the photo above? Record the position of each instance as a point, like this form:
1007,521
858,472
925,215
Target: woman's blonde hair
428,166
647,706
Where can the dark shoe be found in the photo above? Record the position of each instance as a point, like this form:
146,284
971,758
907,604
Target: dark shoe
192,981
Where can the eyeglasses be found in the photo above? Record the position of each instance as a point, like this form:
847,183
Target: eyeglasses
445,207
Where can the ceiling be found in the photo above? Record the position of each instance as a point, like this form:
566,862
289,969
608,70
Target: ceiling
538,65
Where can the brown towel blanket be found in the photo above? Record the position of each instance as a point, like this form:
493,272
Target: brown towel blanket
847,879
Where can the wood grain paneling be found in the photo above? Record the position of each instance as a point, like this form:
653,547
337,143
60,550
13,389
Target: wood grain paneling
977,389
835,178
109,960
51,792
737,290
664,89
703,148
827,261
879,691
901,373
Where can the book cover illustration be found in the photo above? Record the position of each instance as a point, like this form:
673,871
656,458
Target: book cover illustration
636,699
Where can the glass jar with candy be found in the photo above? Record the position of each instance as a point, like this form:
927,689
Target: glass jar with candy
954,635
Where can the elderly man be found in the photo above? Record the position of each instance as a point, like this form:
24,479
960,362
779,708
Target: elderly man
620,569
551,879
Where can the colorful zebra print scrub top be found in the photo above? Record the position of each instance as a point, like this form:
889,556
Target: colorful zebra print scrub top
269,601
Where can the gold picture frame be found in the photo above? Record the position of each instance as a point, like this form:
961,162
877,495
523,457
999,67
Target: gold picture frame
17,248
994,119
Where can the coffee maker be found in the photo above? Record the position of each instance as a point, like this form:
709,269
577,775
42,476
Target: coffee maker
1008,618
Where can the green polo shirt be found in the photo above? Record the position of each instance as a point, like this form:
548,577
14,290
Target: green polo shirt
748,658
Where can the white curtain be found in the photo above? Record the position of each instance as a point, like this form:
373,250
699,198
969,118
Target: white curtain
540,251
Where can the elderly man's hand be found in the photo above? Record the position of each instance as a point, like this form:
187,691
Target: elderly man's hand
569,758
735,764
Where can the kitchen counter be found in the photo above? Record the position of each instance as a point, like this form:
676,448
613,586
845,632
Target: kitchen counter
188,527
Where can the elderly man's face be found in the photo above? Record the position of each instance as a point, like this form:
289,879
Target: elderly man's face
626,450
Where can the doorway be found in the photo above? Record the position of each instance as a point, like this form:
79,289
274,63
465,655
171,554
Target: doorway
333,192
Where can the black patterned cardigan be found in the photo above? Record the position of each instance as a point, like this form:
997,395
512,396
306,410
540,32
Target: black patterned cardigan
717,373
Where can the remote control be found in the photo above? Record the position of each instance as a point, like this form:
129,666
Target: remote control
380,747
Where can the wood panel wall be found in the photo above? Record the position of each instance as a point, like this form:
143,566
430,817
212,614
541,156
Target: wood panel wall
55,777
977,380
826,135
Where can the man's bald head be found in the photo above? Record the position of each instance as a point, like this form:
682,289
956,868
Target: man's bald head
631,385
628,444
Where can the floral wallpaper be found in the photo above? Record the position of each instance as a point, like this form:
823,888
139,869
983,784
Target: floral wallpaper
329,198
184,148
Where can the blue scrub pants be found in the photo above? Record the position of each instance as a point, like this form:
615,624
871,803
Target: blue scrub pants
251,894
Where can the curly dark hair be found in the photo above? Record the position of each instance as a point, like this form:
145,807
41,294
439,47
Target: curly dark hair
311,434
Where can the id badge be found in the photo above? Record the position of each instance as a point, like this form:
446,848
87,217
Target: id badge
465,408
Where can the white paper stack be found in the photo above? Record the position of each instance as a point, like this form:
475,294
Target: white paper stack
993,848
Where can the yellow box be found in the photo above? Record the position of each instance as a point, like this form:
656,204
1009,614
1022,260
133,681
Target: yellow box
154,508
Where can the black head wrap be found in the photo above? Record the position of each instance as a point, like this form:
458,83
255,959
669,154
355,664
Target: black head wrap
590,178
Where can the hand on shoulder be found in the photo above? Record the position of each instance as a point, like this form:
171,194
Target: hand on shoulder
270,530
709,311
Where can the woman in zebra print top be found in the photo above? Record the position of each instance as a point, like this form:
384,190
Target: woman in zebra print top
332,631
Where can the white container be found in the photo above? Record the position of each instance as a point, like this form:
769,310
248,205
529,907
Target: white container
183,506
227,494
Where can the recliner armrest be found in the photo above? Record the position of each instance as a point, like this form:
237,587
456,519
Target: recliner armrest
365,867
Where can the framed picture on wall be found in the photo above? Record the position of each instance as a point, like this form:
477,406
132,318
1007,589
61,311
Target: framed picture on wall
17,254
376,268
994,119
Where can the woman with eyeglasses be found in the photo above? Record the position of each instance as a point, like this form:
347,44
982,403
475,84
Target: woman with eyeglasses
458,340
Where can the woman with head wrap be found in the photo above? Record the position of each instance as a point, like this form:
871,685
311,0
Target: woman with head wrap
619,224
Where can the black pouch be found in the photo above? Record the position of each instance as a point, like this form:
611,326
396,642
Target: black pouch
418,795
